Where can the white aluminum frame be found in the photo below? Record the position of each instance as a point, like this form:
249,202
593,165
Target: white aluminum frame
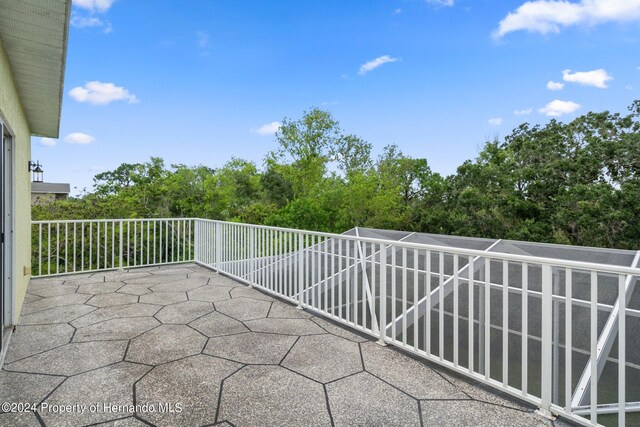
173,243
605,344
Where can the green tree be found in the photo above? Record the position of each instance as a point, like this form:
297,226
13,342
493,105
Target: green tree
575,183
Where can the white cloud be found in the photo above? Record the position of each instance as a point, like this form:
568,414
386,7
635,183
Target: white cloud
267,129
597,78
203,39
87,18
496,121
557,108
49,142
99,93
79,138
372,65
441,3
79,21
551,85
525,112
86,21
94,5
397,11
549,16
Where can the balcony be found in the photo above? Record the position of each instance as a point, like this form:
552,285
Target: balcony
209,322
202,349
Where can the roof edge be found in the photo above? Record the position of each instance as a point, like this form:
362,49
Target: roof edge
63,69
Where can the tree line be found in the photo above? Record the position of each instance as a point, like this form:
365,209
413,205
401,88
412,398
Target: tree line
572,183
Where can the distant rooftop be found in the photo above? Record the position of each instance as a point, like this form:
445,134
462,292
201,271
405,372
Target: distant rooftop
50,188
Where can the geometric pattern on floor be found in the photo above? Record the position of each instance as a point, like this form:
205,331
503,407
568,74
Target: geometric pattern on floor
182,345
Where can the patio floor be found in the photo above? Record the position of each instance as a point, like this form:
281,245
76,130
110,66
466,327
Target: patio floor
184,346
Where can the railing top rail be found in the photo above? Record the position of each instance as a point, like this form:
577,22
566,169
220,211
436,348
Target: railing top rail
556,262
580,265
71,221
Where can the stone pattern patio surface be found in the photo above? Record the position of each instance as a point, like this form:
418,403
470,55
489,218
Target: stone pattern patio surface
184,346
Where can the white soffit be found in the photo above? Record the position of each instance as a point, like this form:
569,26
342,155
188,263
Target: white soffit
34,34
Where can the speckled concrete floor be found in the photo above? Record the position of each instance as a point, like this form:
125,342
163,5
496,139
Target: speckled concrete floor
184,346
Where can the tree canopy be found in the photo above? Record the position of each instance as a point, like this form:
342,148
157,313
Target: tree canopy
576,183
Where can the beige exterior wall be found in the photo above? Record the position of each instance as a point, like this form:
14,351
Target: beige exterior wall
13,116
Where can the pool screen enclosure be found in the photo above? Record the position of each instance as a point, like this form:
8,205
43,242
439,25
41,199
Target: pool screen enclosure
492,325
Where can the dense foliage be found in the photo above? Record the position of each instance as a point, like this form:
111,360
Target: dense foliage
575,183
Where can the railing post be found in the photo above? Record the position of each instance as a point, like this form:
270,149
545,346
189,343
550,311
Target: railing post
196,240
252,256
218,246
383,296
120,255
546,380
622,349
300,269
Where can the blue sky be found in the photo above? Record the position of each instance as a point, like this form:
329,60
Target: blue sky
199,82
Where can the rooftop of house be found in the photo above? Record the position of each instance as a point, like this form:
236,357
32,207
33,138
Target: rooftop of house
50,187
34,36
183,345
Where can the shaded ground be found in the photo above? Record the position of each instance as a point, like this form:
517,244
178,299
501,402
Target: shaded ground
184,346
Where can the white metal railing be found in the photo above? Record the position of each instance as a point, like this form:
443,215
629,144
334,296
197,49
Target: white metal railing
528,326
80,246
535,321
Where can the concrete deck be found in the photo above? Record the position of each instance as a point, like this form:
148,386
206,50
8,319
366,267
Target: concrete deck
185,346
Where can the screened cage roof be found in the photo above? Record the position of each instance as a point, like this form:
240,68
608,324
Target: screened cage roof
616,257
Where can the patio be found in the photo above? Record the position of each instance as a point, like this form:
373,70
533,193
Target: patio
183,346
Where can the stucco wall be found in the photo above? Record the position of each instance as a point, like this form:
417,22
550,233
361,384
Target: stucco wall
13,116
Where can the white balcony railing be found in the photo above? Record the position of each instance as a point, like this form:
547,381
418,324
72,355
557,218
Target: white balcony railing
505,320
81,246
